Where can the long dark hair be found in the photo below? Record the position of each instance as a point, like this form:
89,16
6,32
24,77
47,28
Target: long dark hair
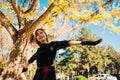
45,34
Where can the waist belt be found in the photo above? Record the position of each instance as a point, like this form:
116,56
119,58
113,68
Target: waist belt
45,70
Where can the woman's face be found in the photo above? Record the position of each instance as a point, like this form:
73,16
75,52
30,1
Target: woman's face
41,36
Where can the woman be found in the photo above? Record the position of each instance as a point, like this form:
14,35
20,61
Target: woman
46,53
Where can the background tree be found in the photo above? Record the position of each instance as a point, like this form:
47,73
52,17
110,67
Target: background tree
88,60
81,58
21,18
115,58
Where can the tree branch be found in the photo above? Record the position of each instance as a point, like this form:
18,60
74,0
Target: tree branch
18,13
64,22
33,6
40,19
66,30
63,27
9,27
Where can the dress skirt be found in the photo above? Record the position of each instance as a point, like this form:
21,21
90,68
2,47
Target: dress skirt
50,76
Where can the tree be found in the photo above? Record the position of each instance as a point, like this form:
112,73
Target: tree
115,58
68,64
25,20
88,59
80,58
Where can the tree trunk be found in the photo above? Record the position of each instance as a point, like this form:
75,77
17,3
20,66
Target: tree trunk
18,57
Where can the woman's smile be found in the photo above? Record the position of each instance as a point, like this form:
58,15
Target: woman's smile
41,37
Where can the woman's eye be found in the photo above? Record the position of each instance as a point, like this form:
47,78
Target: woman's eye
41,32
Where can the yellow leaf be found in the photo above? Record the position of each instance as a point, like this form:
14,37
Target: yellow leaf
116,29
101,9
0,5
56,10
115,13
50,1
9,17
86,3
98,17
29,15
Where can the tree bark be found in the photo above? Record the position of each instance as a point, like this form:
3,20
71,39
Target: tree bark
17,59
22,45
33,6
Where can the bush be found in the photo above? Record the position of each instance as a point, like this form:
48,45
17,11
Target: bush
80,77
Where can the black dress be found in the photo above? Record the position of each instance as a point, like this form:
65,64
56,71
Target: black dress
45,56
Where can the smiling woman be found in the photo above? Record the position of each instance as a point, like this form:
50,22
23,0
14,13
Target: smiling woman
46,53
41,36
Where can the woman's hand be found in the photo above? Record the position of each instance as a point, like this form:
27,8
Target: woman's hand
24,69
91,42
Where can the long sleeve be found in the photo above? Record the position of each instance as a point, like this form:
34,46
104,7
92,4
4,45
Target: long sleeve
60,44
33,58
29,61
91,42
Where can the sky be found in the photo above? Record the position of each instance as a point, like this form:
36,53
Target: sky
109,37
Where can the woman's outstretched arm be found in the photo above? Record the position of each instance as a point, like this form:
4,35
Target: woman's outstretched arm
25,68
85,42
